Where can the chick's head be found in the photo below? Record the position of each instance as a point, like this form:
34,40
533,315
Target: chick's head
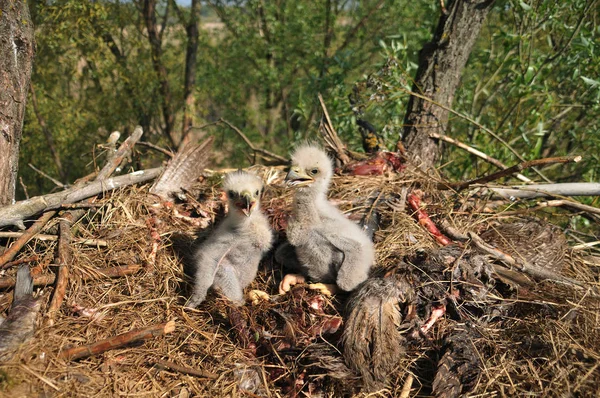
311,168
243,192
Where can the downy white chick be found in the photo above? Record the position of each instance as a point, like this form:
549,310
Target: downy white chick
329,247
228,260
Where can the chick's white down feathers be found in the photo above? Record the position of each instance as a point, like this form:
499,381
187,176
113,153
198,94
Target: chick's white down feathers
228,260
329,247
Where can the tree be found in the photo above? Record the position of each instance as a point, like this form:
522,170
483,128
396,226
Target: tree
441,63
17,49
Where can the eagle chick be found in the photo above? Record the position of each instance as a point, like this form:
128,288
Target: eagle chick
228,259
329,247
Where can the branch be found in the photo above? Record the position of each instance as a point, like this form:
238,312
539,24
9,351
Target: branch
261,151
109,272
12,251
64,259
52,238
477,153
545,190
514,169
17,213
117,341
185,370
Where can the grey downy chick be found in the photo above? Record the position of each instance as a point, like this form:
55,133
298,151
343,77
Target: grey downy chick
329,247
19,325
228,259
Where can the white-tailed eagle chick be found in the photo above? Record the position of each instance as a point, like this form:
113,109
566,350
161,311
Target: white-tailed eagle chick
329,247
228,259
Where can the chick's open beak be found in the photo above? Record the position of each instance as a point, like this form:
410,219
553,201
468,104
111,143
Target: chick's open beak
246,203
297,178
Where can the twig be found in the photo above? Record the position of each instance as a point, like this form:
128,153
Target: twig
263,152
586,245
558,203
52,238
512,170
405,393
12,251
185,370
54,180
109,272
477,153
117,341
117,158
156,148
541,190
64,259
330,135
20,261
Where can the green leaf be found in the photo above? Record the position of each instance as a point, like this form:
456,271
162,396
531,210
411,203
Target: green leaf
525,6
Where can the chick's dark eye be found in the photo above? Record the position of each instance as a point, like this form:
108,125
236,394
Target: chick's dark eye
257,192
314,171
231,194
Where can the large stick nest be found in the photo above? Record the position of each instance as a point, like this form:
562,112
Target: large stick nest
543,341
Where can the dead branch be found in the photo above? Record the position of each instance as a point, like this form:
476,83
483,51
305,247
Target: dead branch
12,251
117,341
330,135
511,170
63,260
54,180
541,190
261,151
52,238
185,370
109,272
538,273
156,148
20,261
117,158
15,214
477,153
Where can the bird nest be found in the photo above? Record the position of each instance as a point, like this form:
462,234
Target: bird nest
543,340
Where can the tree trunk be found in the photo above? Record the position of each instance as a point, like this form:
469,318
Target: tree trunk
190,70
17,48
149,11
441,63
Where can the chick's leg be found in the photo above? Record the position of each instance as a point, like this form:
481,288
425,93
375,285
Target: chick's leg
203,280
228,282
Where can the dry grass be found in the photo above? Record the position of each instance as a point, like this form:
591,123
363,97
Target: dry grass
548,346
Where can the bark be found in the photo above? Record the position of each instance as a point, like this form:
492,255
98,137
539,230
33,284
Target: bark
441,63
17,48
191,56
149,12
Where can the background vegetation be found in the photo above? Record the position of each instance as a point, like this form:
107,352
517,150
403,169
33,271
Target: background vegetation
533,79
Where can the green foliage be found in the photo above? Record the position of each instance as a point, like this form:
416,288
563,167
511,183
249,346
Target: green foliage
533,78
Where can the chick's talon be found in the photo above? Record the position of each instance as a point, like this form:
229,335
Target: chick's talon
288,281
326,289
